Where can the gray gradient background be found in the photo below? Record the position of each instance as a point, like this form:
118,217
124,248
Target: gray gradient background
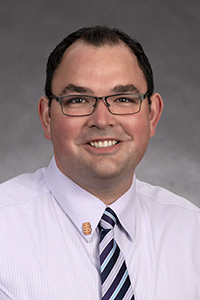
170,34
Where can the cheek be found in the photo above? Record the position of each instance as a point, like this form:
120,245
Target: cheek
138,126
62,127
64,132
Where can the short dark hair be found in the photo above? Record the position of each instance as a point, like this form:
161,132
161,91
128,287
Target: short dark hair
98,36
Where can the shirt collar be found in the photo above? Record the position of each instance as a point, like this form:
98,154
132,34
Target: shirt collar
85,209
125,209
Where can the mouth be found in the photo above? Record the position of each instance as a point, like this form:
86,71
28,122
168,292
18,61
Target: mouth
103,144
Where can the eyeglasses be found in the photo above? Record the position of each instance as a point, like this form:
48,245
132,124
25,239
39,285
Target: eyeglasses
83,105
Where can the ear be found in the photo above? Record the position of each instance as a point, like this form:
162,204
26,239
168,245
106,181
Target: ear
155,112
44,114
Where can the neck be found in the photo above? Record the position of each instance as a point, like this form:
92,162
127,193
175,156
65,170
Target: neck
108,188
108,191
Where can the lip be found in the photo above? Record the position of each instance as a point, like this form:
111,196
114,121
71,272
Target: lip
105,145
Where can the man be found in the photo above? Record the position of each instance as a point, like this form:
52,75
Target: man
99,112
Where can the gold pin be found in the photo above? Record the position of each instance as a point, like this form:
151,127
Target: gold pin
86,228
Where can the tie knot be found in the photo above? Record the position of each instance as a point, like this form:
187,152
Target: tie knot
109,219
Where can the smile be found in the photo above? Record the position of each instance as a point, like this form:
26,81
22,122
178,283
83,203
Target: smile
103,144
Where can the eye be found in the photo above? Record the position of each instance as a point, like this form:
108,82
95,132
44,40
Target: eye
73,100
125,100
76,100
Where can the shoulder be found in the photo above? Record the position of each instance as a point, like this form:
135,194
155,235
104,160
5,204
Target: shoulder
168,215
22,188
162,197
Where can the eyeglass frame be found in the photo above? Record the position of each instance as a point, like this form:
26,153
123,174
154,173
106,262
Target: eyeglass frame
59,100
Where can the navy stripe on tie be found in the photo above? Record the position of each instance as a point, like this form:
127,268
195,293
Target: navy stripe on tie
115,280
108,219
106,251
109,266
124,289
103,233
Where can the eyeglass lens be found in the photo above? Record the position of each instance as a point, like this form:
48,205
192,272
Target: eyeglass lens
117,104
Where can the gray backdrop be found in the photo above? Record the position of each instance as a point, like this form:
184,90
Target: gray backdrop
169,33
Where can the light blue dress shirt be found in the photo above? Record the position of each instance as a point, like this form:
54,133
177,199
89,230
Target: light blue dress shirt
45,255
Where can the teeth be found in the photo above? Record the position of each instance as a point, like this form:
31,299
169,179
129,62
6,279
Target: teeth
103,144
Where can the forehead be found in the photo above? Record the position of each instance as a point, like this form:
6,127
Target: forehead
105,64
81,48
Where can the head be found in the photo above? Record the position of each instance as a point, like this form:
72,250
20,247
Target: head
99,151
98,36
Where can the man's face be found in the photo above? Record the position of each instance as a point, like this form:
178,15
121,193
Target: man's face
98,71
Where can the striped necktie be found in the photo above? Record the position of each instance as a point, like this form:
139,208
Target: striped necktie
115,280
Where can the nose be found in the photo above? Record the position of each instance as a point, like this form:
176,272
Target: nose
101,116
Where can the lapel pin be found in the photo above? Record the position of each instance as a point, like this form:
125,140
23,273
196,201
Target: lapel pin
86,228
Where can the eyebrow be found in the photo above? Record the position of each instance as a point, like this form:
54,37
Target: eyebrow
75,89
129,88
